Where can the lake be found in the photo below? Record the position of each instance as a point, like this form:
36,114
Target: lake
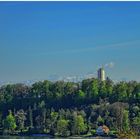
33,136
46,136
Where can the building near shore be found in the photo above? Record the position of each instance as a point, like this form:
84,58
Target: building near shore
102,130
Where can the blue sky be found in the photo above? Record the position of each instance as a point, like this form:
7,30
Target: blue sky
39,39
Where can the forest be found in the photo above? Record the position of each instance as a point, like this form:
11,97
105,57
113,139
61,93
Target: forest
67,109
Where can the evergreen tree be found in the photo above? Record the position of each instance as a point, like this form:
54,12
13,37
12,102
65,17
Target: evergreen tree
79,125
126,124
10,123
30,117
100,120
20,117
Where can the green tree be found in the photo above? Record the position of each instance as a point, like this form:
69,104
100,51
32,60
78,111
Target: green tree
136,93
121,91
44,111
126,123
53,118
20,90
7,92
0,119
102,89
81,126
46,88
41,104
100,120
78,126
39,122
136,124
37,90
58,87
62,113
117,112
2,99
62,127
70,88
20,117
80,96
94,89
10,123
130,89
109,87
30,117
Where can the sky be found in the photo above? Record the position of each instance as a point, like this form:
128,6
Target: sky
42,39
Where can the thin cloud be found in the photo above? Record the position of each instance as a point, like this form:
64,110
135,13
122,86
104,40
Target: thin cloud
87,49
110,65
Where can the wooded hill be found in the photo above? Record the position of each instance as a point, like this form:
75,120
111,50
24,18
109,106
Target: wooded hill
66,108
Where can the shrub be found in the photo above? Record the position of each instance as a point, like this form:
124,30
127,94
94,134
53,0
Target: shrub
93,132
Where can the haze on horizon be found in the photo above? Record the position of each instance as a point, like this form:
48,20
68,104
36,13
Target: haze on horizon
39,39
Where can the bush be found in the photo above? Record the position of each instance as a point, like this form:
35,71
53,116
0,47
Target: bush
93,132
113,132
127,135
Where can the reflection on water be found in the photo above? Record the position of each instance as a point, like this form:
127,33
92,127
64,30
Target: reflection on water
34,136
46,136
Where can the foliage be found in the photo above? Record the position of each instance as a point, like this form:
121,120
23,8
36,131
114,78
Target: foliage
127,135
100,120
62,128
125,121
20,117
93,132
68,108
10,123
79,125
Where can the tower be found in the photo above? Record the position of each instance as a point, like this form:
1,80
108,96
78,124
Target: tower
101,74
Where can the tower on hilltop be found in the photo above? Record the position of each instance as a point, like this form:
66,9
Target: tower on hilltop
101,74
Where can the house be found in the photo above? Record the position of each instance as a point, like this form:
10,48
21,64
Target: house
102,130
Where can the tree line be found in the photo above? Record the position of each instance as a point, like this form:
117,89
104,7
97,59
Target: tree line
67,108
